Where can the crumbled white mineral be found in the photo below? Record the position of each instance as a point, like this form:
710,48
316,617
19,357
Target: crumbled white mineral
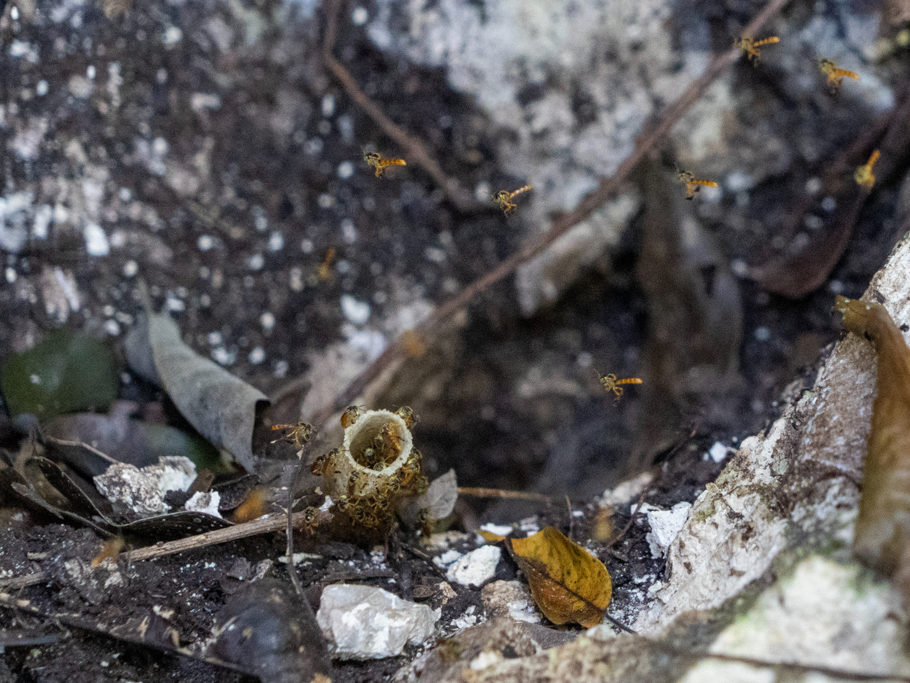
365,622
665,526
476,567
142,490
206,502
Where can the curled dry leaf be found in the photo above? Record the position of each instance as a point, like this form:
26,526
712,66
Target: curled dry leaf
882,537
567,582
222,407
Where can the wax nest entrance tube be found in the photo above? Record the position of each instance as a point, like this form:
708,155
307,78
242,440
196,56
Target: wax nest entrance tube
375,468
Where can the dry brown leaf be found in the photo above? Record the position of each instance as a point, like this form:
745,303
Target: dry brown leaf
567,582
490,537
882,536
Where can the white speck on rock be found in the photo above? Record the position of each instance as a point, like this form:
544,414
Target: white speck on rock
665,527
96,243
476,567
365,622
358,312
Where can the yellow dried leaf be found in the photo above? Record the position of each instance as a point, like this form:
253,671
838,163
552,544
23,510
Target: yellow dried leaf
489,536
567,582
883,527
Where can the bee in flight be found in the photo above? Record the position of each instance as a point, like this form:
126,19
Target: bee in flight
375,160
835,75
298,434
504,199
610,383
692,183
749,46
324,271
864,175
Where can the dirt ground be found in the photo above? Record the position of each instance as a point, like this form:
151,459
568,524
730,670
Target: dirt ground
221,164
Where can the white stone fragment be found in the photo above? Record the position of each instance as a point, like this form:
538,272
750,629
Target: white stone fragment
476,567
204,501
719,451
365,622
142,490
665,527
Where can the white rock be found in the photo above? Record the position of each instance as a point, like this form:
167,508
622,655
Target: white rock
718,451
364,622
204,501
142,490
476,567
665,527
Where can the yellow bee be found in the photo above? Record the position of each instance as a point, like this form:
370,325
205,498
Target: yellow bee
406,413
835,75
749,46
298,434
692,183
324,272
350,415
864,175
504,199
375,160
610,383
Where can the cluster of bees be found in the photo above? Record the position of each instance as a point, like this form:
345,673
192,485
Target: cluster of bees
751,49
366,499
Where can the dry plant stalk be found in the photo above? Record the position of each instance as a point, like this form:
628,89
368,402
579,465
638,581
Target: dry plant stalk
882,537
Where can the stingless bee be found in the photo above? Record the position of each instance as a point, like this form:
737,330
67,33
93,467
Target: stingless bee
298,434
350,415
610,383
375,160
324,271
504,199
692,183
835,76
749,46
864,175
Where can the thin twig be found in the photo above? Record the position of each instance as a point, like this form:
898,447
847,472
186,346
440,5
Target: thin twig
590,203
477,492
292,571
411,146
263,525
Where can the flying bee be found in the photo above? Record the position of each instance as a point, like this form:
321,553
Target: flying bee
350,415
835,76
692,183
749,46
610,383
298,434
375,160
324,271
864,175
504,199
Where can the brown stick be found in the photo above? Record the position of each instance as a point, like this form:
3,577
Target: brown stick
411,146
263,525
588,205
502,493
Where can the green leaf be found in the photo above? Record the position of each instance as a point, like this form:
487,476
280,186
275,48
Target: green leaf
66,372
